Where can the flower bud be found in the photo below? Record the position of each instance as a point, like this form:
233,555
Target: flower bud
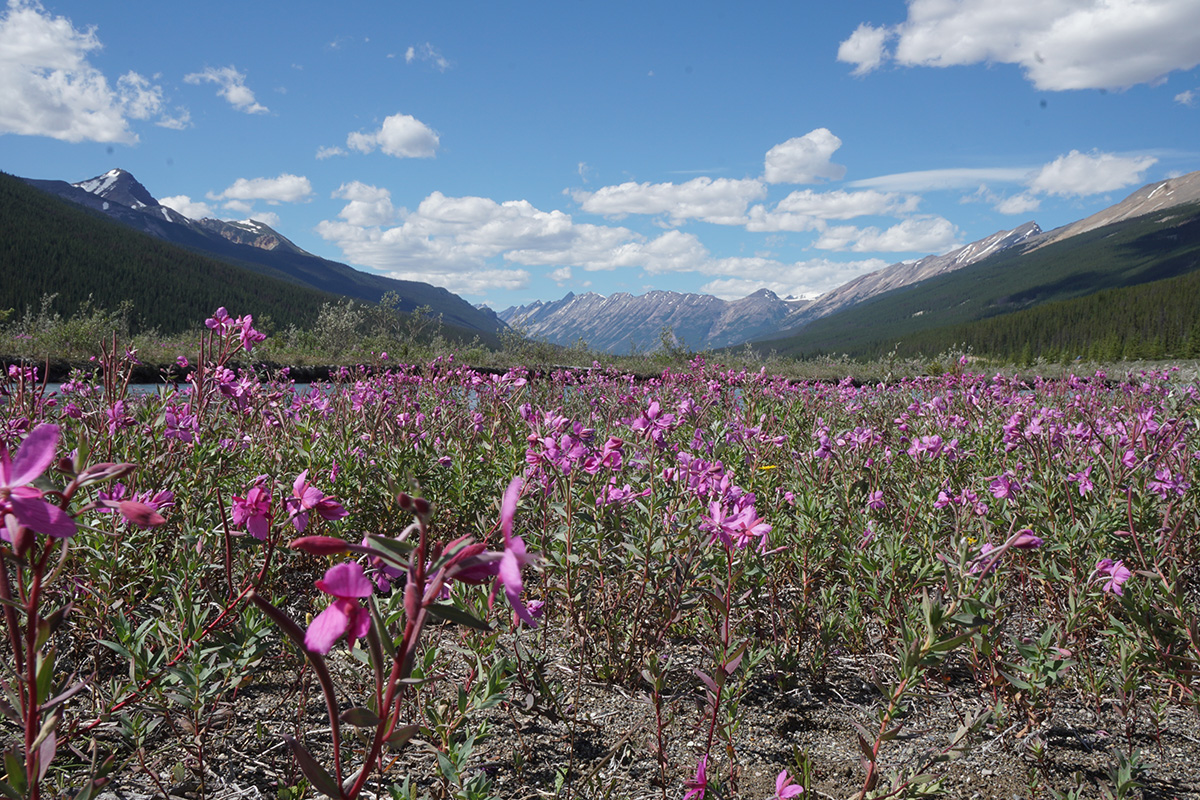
319,545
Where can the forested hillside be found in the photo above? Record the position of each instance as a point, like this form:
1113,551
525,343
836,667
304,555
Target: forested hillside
1096,290
49,247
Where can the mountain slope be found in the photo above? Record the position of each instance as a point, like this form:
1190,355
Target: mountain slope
1156,246
867,286
254,245
52,247
624,322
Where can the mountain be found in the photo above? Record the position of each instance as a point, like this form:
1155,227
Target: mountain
867,286
1151,197
623,322
972,305
85,258
254,245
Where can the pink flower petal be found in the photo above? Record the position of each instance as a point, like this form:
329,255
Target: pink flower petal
38,515
346,580
326,628
34,455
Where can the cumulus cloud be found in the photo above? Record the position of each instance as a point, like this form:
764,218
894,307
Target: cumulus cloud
722,201
802,279
864,48
329,152
804,159
1022,203
180,120
400,135
561,276
1079,174
286,188
192,209
231,85
368,206
269,218
1059,44
48,87
427,53
915,235
806,210
1187,97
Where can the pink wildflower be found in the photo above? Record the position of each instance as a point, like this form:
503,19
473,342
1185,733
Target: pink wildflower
515,555
22,504
784,788
306,498
253,512
1116,572
346,582
699,785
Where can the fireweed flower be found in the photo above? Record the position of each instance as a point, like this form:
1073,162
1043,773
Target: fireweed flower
1116,572
347,583
22,504
515,555
306,498
784,788
698,785
253,512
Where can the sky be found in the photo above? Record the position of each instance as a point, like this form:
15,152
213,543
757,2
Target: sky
513,152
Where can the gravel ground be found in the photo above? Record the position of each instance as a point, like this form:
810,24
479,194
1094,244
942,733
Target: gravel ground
604,738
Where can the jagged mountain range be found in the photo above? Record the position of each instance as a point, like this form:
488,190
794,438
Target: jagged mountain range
624,322
255,245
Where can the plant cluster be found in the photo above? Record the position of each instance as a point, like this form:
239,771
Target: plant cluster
414,544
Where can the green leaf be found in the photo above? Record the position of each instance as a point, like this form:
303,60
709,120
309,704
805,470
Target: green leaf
9,791
452,613
401,736
321,780
360,717
15,766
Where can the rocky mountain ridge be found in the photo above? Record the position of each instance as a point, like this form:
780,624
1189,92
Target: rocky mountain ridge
118,195
624,322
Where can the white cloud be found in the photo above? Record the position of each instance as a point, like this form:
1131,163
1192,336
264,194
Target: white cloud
48,88
182,120
192,209
802,279
369,205
1060,44
864,48
934,179
329,152
1079,174
722,201
804,159
428,53
267,218
805,210
1187,97
1021,203
286,188
140,98
231,85
400,135
915,235
561,276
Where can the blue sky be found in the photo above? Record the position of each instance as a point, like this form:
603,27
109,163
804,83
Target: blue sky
513,152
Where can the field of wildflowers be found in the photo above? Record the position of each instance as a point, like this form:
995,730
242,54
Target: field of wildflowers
430,581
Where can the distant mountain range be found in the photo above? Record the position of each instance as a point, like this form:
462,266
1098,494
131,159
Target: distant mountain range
255,245
625,322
